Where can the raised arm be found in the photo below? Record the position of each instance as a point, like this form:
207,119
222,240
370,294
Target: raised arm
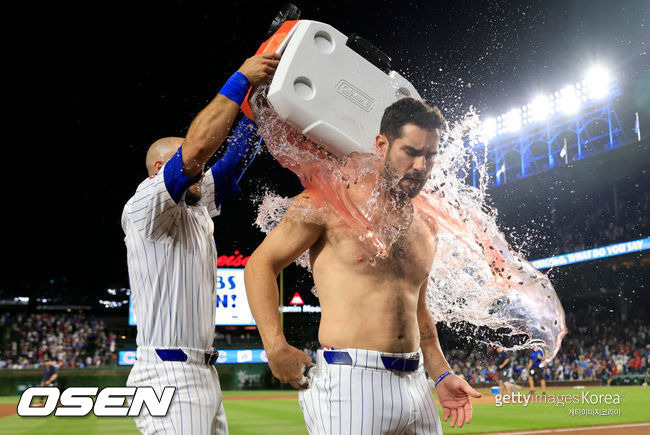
228,170
284,244
453,392
210,127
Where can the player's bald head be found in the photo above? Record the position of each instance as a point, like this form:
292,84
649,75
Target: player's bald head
160,151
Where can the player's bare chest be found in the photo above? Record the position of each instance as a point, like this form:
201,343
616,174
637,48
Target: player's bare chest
410,255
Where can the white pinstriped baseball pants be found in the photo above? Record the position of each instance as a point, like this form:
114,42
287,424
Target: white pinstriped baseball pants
365,398
197,406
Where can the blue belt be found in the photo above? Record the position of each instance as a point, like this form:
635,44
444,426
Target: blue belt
390,362
179,355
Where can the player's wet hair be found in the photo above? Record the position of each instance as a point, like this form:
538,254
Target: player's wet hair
409,111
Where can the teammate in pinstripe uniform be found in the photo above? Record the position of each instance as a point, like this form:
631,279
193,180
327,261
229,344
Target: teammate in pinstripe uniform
172,258
378,336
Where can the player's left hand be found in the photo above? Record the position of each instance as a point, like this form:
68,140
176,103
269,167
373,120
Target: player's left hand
453,394
259,69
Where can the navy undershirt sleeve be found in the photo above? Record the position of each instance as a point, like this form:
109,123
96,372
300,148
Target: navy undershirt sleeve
228,170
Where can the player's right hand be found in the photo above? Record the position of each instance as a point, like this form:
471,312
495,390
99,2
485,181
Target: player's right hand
259,69
287,364
454,396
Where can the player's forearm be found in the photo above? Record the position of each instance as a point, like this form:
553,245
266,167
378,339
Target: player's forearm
207,132
241,147
262,292
434,359
229,169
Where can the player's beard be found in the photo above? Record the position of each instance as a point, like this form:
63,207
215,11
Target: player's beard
404,187
192,196
411,185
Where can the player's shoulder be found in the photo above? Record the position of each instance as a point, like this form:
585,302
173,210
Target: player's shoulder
146,187
306,197
151,181
309,200
426,219
308,207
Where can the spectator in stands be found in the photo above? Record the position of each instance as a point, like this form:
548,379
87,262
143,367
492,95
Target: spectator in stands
25,340
635,363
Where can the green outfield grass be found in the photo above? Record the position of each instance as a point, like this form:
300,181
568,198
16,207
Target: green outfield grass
283,416
511,417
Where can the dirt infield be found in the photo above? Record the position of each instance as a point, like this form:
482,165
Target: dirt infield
614,429
7,409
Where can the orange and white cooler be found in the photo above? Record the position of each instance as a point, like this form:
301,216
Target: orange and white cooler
330,87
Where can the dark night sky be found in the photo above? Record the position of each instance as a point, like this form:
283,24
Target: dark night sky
92,85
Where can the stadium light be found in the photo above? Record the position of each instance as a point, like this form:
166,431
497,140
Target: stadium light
500,130
540,109
489,129
512,121
568,102
596,83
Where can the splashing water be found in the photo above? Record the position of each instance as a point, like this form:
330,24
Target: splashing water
476,276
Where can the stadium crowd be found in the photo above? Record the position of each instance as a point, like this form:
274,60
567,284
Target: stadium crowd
591,351
73,340
594,222
609,223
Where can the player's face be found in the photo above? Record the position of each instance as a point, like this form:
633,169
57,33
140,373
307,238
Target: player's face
409,159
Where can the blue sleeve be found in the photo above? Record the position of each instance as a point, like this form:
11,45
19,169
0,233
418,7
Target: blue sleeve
241,151
176,181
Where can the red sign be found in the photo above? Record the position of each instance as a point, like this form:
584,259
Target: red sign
296,300
236,260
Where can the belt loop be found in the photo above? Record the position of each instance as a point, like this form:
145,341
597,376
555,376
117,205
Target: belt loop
211,357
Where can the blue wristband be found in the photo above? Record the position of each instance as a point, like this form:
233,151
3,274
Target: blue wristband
442,376
236,88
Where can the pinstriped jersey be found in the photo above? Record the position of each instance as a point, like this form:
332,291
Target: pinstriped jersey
172,260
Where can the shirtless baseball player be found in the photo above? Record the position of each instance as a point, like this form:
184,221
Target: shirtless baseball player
377,334
172,257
